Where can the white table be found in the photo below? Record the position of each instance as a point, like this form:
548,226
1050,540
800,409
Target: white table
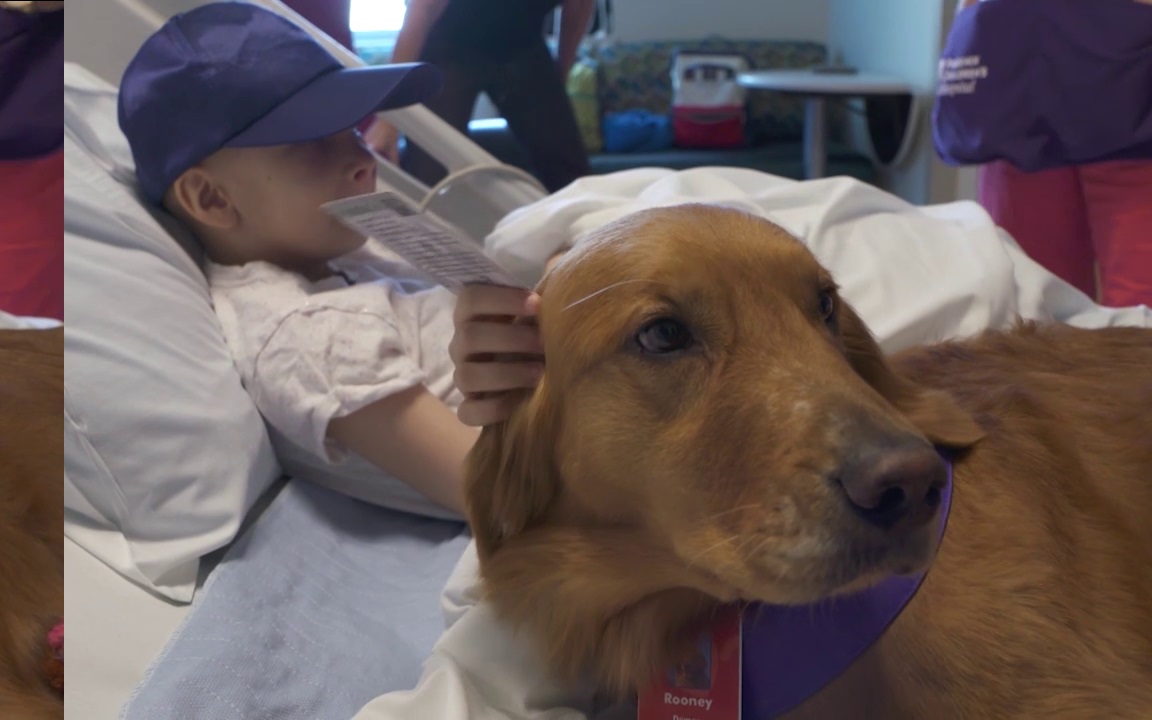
816,87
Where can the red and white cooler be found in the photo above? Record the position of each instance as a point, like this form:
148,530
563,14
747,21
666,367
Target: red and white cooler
707,101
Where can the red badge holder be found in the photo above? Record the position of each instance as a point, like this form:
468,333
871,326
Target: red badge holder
705,685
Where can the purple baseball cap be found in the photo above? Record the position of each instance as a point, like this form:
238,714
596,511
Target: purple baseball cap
231,74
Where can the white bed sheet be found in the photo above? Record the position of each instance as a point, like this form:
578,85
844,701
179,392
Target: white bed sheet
114,630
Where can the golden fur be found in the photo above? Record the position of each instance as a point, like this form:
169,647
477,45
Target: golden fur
31,518
629,494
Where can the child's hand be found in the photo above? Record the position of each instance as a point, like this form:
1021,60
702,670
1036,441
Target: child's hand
496,349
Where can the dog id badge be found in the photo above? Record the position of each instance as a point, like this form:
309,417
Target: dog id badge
705,685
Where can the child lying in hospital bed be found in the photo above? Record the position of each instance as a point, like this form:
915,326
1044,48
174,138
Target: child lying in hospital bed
242,127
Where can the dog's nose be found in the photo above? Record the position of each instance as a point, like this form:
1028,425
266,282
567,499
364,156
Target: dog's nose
895,488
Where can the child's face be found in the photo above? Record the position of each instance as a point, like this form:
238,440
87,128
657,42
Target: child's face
278,191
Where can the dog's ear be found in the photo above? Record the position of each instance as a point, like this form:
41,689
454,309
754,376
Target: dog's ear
510,474
934,413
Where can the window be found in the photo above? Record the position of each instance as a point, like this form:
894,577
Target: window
374,25
373,16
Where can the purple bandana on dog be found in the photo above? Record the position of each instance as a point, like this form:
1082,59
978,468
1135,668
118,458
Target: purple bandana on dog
791,652
31,84
1046,83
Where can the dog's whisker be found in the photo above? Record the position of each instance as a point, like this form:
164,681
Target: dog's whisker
759,546
729,511
602,290
750,539
764,540
726,541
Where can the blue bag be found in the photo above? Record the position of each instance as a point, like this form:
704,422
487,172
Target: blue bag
636,131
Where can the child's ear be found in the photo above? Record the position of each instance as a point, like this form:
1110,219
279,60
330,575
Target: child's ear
196,196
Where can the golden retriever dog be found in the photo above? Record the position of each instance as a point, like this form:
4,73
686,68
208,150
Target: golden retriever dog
31,520
716,425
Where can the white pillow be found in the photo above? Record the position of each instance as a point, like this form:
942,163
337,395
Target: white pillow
164,452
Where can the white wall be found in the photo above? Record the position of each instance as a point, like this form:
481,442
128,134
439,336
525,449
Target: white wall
967,187
901,38
741,19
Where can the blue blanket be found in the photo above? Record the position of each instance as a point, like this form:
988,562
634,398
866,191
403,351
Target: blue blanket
323,604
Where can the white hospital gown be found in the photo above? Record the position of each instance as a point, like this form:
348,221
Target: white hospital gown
308,352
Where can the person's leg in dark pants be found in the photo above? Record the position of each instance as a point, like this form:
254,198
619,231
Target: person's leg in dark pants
454,105
530,94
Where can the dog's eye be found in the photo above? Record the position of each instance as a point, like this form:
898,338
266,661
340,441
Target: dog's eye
827,305
663,336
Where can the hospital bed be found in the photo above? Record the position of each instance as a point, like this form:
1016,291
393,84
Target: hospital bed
120,616
168,467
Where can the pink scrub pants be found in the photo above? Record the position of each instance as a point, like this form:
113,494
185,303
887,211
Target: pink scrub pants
1091,225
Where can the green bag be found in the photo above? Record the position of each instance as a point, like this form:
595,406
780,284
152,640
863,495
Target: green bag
582,92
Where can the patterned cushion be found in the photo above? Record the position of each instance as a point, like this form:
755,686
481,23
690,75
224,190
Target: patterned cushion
636,76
